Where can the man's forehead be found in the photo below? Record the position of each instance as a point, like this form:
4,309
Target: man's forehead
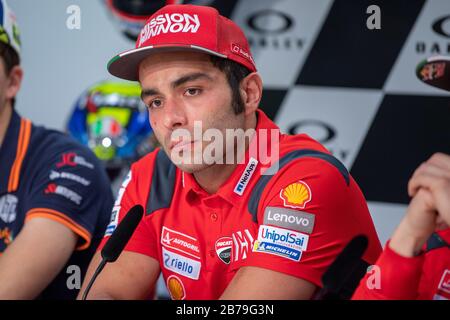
179,59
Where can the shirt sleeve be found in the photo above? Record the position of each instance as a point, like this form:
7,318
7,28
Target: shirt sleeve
306,217
70,187
393,277
143,239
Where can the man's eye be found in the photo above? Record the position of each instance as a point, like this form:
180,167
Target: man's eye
192,92
155,104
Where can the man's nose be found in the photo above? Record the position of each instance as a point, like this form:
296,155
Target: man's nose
174,114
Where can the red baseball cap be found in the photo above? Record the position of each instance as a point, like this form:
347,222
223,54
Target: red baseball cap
184,28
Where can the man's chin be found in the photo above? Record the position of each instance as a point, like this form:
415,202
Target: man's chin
188,164
191,168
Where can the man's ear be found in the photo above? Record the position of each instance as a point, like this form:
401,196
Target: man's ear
251,91
14,81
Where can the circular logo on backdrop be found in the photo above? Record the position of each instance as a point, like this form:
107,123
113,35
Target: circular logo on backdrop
442,26
319,130
269,22
273,29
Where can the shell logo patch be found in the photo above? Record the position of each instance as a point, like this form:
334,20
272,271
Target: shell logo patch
176,288
296,195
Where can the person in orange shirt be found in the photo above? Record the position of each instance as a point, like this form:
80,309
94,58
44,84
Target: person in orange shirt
55,196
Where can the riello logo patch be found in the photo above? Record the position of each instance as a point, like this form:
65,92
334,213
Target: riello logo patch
169,23
180,264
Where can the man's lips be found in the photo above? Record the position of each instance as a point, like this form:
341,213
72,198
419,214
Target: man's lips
179,144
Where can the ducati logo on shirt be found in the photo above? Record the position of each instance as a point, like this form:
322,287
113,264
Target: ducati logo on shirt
296,195
223,249
443,291
8,208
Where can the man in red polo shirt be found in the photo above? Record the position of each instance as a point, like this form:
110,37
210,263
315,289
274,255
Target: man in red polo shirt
233,208
415,263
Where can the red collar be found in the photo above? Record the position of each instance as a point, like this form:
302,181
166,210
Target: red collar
253,164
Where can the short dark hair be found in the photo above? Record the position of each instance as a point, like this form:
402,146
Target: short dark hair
234,72
11,59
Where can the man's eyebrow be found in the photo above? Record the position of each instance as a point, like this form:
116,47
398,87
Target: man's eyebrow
190,77
148,92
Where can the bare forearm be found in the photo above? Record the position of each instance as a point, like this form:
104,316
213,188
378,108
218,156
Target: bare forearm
132,276
34,258
247,284
19,281
24,275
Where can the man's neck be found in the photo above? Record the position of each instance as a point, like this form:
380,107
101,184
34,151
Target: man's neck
5,118
211,178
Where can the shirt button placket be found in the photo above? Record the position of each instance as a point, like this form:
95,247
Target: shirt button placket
214,233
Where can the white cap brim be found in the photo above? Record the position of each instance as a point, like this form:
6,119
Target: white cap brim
126,64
